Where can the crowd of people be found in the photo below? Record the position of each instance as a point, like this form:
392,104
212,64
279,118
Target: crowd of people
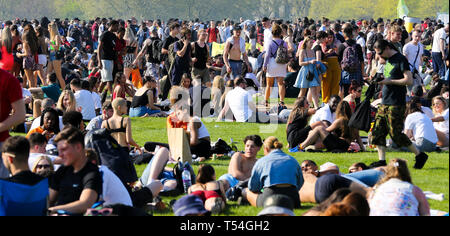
63,79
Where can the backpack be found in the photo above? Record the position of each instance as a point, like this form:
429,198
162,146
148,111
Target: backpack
178,170
350,61
154,51
220,147
172,54
111,155
282,56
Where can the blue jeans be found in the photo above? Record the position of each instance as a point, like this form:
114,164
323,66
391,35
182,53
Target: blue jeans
231,180
438,64
236,68
163,176
367,177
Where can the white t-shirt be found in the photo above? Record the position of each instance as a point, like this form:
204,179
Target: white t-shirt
439,34
442,126
113,190
97,100
322,114
238,99
85,101
428,112
410,52
421,126
37,122
268,37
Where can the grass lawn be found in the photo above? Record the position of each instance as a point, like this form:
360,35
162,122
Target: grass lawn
434,177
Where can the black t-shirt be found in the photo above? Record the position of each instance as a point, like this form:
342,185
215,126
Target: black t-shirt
166,43
108,40
394,69
69,185
184,61
25,177
201,53
316,49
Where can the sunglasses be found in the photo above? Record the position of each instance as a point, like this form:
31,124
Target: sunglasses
99,212
42,166
359,91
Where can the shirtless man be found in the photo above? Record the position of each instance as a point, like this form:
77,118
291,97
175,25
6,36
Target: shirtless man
241,164
234,48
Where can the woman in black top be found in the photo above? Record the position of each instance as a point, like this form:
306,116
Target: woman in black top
298,128
143,103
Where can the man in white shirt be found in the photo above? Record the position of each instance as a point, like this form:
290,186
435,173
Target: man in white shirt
267,33
240,101
419,128
438,50
38,144
84,100
413,52
327,113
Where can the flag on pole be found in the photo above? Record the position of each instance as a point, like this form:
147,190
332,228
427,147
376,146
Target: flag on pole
402,9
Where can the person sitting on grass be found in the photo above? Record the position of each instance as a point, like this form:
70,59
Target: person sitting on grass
338,136
276,173
143,104
395,195
49,124
211,192
77,185
199,137
241,164
119,126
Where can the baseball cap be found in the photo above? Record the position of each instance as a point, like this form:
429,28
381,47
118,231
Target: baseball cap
189,205
277,205
329,166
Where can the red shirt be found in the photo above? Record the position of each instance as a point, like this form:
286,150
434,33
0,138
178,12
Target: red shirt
212,34
10,92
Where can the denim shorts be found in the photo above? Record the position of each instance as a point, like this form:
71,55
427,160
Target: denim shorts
231,180
141,111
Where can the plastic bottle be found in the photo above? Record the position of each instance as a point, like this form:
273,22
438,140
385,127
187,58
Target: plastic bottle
186,176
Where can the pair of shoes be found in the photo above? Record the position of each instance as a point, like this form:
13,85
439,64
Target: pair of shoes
217,208
294,149
421,159
378,164
234,193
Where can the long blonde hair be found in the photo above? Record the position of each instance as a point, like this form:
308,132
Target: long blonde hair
53,30
43,157
6,39
397,169
129,36
73,102
219,83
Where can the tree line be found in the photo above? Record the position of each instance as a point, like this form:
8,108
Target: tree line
217,9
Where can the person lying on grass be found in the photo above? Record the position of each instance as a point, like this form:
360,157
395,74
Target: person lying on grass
241,164
211,192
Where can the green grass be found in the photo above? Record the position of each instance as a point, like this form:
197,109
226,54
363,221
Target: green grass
434,177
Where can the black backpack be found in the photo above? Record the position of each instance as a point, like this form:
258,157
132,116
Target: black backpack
111,155
362,118
154,51
372,40
221,147
178,171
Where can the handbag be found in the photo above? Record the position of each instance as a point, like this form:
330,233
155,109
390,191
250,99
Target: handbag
361,119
